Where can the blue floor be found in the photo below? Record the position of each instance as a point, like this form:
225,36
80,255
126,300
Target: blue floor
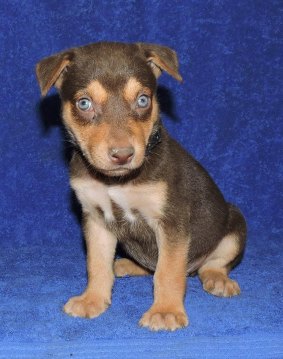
37,280
227,113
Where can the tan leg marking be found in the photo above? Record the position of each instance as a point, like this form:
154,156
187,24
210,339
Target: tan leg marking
101,246
214,272
167,311
124,266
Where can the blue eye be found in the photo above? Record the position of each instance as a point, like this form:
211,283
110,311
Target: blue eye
84,104
143,101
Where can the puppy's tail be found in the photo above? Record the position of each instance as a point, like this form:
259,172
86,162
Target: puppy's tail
238,226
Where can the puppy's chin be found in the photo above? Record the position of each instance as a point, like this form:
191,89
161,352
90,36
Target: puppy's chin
110,170
117,172
121,171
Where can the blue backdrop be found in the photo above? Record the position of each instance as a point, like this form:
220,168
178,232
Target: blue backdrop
227,113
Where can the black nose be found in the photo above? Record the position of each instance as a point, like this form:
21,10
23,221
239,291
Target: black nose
121,155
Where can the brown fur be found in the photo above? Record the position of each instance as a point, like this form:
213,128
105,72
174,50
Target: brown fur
149,196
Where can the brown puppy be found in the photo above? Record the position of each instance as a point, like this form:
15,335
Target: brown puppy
136,185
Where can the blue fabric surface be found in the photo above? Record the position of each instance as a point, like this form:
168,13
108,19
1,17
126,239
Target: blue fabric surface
227,113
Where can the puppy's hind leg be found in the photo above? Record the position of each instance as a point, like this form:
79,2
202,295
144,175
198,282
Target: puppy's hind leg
124,266
214,271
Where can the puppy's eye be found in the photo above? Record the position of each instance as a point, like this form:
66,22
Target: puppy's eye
143,101
84,104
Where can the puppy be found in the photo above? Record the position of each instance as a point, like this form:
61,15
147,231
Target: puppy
136,185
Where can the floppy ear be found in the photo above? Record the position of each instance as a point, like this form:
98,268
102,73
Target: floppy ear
50,69
161,58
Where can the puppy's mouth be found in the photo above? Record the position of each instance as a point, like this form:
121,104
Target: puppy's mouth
106,167
122,162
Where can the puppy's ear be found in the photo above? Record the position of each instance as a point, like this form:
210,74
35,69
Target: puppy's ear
161,58
49,71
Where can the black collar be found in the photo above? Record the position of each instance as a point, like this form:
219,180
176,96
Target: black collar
154,139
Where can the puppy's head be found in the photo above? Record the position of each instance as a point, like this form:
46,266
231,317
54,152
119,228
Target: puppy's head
108,93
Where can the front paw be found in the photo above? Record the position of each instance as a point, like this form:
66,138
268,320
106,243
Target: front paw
86,306
157,318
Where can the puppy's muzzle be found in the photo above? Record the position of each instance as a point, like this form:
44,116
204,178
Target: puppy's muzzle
121,155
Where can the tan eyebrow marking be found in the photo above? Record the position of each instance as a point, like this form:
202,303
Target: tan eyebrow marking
132,88
96,91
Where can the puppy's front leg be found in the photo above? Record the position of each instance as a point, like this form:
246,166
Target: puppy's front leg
167,311
101,246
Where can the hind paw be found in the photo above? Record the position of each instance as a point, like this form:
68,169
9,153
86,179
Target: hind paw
219,284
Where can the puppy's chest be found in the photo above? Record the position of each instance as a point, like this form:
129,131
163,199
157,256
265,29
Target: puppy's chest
122,202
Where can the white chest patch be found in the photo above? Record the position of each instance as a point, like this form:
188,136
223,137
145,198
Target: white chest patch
148,199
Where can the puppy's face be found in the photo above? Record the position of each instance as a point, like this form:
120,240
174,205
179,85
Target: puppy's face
108,93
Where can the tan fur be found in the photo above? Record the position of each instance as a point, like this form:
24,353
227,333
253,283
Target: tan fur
132,89
140,130
101,246
97,92
214,272
95,141
92,194
92,139
124,266
216,282
224,253
148,199
167,311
